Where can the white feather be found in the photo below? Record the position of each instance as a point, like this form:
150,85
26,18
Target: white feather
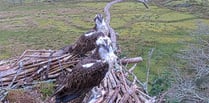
88,65
108,56
101,39
89,34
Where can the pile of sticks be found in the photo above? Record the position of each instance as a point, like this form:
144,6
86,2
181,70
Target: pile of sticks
119,86
34,65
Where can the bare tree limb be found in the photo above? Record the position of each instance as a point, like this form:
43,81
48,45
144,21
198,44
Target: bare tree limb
131,60
108,18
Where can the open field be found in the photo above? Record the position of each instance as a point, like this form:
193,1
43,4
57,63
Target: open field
195,7
54,25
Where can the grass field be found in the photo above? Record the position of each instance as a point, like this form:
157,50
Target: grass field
54,25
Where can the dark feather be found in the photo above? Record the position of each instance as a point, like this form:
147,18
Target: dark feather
81,80
86,43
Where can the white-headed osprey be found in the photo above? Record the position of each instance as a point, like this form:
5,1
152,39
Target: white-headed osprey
87,74
86,42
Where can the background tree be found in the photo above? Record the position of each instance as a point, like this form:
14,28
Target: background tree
192,76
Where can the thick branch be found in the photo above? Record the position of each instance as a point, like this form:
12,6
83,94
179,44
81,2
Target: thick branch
106,10
108,18
131,60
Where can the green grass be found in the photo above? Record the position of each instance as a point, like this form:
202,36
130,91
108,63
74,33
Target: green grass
195,7
46,89
51,26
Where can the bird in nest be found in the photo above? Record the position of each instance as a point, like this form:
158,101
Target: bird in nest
87,74
86,42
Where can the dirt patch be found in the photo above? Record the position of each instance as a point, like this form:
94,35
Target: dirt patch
31,95
20,96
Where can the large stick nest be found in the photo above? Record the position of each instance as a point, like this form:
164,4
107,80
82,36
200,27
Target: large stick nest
120,85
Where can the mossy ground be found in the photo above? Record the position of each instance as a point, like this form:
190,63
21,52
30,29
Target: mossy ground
54,25
37,94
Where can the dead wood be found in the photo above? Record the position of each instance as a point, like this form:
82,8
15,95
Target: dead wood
131,60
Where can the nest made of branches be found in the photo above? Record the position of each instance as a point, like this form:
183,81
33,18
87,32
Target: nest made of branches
119,86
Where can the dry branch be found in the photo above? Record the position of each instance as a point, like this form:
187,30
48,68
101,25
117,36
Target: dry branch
108,18
131,60
33,68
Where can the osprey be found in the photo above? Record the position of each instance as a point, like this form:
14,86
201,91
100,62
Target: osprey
87,74
86,42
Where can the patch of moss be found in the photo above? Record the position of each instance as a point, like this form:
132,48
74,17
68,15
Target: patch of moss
46,89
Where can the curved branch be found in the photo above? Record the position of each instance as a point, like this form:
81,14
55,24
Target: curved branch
106,10
108,18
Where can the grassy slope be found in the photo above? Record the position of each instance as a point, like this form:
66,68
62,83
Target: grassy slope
53,26
196,7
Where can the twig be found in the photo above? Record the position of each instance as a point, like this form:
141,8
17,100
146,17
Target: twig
148,69
124,98
20,57
114,94
20,68
132,68
138,81
143,94
162,97
134,94
3,94
144,2
39,57
26,51
112,80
